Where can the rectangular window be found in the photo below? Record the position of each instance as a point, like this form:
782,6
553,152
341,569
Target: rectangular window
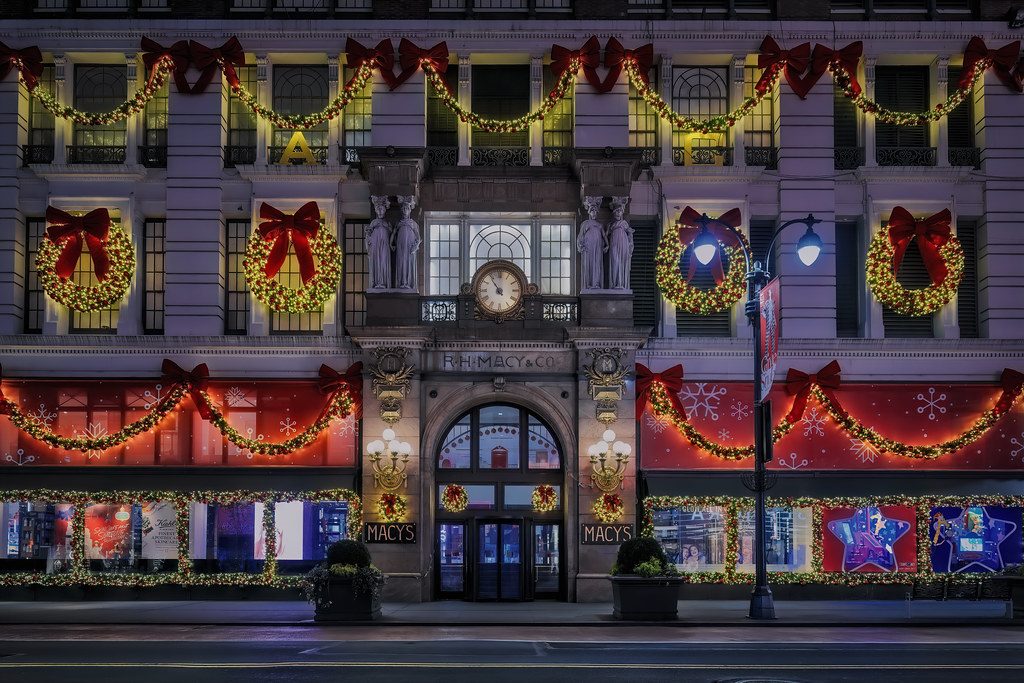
444,278
241,147
35,298
960,129
556,258
902,88
40,123
300,91
759,125
101,321
716,324
283,322
643,125
153,150
967,293
223,537
557,130
155,235
357,273
700,92
237,290
912,274
500,92
848,152
443,123
692,537
356,121
99,88
849,265
789,540
646,300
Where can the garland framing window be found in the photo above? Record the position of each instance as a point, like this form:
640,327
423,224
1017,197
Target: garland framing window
703,92
99,87
759,125
242,133
301,90
41,123
643,124
153,151
356,122
103,320
557,131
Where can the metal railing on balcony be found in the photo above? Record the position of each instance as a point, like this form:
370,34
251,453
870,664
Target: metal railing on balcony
37,154
702,156
439,310
650,156
349,155
94,154
761,156
557,156
848,158
239,155
566,311
154,156
274,155
443,156
965,156
500,156
905,156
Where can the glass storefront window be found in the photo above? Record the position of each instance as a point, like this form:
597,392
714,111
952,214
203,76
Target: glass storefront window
543,453
693,537
456,452
788,540
304,532
223,537
36,536
520,497
499,437
121,538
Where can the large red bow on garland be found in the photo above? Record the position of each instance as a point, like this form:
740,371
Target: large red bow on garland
179,54
300,227
331,382
1002,59
690,228
931,233
31,63
793,62
616,56
195,381
799,384
589,56
381,58
671,379
93,226
411,58
1012,383
227,56
847,58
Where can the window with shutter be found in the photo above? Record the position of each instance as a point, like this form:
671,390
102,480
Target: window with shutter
442,122
646,301
902,89
960,129
912,275
967,293
848,281
501,92
848,152
717,324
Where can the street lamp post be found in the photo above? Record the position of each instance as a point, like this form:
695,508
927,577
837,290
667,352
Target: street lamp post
762,605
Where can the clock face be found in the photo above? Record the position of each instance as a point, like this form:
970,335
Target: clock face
499,288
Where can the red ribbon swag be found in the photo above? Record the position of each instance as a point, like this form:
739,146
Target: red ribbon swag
1012,383
411,57
616,56
671,379
589,56
195,381
93,227
31,60
931,234
689,228
207,60
299,228
847,57
381,58
793,63
180,55
798,385
1003,60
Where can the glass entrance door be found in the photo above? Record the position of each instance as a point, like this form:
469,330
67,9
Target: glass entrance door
547,573
499,568
451,558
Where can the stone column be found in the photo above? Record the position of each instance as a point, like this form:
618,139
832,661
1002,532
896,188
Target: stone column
537,95
465,98
13,135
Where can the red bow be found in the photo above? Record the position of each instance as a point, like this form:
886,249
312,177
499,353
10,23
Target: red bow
800,383
301,227
411,58
31,63
332,381
589,56
381,58
1012,383
690,227
794,61
616,56
94,226
931,233
1002,59
671,379
846,57
195,381
179,54
206,60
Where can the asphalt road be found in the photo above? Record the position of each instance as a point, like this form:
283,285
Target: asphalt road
496,654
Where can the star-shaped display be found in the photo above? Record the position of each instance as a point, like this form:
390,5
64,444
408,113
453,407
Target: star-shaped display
971,538
869,538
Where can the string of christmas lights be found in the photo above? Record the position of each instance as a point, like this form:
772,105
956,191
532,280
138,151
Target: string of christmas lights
101,295
882,278
693,299
308,297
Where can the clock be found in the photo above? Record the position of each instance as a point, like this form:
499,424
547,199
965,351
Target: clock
499,287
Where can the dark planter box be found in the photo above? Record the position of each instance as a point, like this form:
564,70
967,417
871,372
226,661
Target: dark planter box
640,599
346,604
1015,587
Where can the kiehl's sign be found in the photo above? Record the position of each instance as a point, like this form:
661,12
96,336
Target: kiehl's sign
605,534
375,532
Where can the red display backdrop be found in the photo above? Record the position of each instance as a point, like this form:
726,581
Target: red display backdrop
263,410
869,539
909,413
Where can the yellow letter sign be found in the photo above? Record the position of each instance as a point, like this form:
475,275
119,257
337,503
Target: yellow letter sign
297,149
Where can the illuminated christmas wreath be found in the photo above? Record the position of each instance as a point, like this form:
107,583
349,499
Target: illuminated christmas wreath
454,498
609,508
882,278
309,297
691,299
545,498
102,295
392,507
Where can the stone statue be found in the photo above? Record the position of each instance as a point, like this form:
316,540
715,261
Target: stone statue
592,243
620,246
406,242
378,245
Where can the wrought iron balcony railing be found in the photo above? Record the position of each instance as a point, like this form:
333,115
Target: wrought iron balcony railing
154,156
847,158
557,156
965,156
96,154
443,156
564,311
274,154
37,154
761,156
235,155
702,156
500,156
439,310
905,156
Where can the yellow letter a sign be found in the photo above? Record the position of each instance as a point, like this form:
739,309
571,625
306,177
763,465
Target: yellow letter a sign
297,149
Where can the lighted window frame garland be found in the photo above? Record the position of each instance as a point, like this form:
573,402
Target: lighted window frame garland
108,292
882,279
676,290
921,505
185,574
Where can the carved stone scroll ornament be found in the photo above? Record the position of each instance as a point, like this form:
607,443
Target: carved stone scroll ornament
391,375
606,381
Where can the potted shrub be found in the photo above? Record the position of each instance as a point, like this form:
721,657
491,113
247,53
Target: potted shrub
1010,581
346,586
644,585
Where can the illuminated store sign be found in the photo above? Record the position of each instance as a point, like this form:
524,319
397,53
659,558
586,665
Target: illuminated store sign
374,532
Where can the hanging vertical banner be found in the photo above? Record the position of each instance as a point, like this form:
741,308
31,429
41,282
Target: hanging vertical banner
769,341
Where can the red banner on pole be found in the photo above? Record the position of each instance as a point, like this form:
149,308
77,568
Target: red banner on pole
769,341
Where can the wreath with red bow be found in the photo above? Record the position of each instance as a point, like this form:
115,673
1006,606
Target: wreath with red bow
113,259
609,508
940,249
454,498
316,251
545,498
728,272
392,507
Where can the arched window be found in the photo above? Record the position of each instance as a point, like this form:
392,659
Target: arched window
301,90
499,437
700,92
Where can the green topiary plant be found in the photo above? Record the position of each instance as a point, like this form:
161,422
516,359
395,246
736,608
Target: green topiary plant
637,551
348,551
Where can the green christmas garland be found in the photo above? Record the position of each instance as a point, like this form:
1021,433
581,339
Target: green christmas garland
905,301
102,295
691,299
309,297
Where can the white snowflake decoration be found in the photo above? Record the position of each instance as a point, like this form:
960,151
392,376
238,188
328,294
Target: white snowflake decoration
234,396
43,416
22,459
814,422
863,450
703,402
151,399
931,403
346,427
93,430
288,426
1019,444
724,435
657,423
740,411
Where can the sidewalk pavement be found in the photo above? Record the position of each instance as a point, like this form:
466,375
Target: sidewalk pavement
542,613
